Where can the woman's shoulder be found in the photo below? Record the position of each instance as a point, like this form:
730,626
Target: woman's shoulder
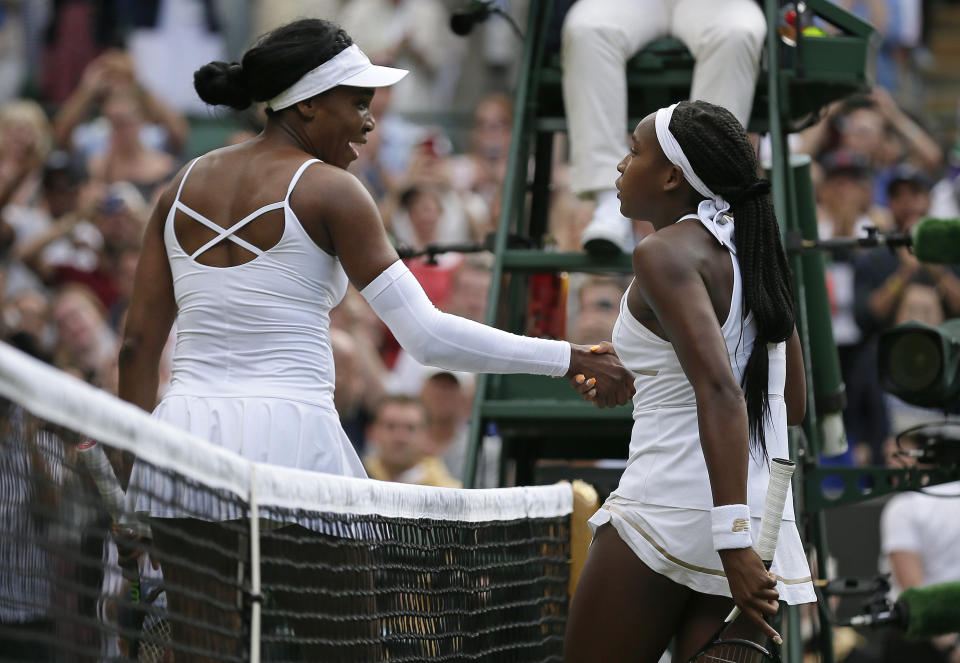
681,253
326,180
260,162
663,255
332,194
677,244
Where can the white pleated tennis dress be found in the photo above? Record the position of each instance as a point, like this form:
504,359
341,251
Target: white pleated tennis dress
252,367
661,508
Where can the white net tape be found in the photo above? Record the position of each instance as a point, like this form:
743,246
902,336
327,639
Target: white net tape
63,399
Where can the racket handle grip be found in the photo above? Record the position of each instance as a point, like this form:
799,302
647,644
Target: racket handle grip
780,472
103,476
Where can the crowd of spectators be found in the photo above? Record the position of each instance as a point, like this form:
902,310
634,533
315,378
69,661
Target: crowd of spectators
96,119
96,114
876,168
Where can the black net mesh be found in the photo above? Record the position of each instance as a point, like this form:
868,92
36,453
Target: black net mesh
402,589
84,579
77,586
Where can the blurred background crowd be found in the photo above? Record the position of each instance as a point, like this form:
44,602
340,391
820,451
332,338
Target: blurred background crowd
97,113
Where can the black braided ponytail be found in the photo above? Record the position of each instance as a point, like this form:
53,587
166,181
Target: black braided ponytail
721,155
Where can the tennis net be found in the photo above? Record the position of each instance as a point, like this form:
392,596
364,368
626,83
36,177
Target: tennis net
242,561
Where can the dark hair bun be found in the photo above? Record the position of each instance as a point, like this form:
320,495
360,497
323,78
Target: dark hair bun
222,84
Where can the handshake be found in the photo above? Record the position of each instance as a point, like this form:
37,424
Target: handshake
597,374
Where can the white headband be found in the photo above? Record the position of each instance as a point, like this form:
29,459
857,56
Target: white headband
713,211
676,156
348,67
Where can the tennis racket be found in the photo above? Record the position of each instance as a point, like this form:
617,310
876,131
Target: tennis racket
737,650
133,619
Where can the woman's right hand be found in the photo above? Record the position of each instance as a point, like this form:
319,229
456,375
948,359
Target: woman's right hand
596,372
754,588
130,547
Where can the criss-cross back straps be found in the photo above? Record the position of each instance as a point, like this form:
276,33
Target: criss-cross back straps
227,233
230,233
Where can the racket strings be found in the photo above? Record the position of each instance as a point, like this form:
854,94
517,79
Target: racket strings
154,645
726,652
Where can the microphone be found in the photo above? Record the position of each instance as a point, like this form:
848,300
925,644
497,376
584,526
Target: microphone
937,241
934,241
477,11
921,612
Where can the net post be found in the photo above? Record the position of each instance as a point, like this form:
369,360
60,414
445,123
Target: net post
256,603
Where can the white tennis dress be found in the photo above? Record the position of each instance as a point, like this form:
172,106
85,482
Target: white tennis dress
661,508
253,368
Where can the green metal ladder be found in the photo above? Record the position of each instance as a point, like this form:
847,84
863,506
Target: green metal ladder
540,418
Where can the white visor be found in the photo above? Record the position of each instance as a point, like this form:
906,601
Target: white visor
350,66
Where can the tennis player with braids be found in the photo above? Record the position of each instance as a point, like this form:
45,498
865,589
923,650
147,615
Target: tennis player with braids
249,249
707,327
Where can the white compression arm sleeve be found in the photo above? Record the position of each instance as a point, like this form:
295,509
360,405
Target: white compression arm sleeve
454,343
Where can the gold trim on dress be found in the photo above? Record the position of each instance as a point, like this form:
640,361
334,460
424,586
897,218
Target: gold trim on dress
680,562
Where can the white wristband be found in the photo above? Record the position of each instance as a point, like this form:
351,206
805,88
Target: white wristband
730,525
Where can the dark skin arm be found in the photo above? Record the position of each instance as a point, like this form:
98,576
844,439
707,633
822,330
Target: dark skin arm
350,227
795,390
676,293
149,318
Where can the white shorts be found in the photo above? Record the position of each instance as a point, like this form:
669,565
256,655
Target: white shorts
676,542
